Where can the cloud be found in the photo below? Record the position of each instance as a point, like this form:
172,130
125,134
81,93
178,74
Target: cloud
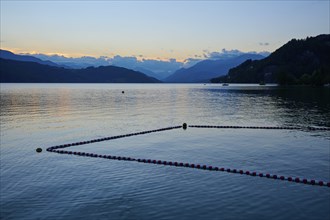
158,66
264,53
189,62
215,55
225,54
79,62
127,62
197,56
263,43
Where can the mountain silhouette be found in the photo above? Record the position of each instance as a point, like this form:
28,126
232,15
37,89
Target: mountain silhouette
205,70
4,54
13,71
305,61
155,68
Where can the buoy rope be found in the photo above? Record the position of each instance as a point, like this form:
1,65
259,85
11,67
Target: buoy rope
113,137
58,149
262,127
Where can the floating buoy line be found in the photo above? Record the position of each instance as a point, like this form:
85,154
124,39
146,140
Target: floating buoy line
59,149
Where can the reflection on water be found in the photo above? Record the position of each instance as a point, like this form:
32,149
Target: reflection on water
290,105
48,186
234,105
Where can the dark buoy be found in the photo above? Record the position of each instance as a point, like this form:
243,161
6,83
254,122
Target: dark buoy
184,126
39,150
123,92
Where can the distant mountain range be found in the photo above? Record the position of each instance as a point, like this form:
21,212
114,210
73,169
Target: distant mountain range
207,69
200,72
4,54
159,69
14,71
305,61
155,68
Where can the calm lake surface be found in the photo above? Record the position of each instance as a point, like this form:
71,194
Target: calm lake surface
56,186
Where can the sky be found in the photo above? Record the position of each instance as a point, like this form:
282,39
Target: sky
160,30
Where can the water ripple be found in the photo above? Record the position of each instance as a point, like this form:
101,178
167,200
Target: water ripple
53,186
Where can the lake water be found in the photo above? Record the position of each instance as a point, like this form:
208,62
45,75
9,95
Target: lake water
58,186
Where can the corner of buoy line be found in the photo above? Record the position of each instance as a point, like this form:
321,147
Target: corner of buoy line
60,150
38,150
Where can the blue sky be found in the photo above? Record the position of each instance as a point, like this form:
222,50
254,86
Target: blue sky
157,29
